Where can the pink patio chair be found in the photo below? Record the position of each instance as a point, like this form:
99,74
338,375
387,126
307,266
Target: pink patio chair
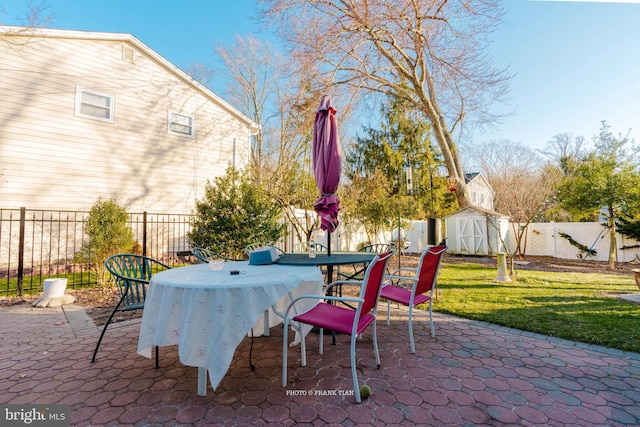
423,284
345,320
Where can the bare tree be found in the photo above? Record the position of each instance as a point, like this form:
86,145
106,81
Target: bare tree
523,184
37,15
564,151
204,74
428,52
265,88
253,67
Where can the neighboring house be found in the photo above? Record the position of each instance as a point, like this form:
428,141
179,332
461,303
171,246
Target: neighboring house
476,231
86,115
481,192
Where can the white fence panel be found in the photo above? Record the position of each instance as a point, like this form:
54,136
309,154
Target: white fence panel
545,239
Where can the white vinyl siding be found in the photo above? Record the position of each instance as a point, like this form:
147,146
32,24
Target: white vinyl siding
481,192
51,159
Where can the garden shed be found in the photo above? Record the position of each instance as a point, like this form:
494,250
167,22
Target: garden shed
476,231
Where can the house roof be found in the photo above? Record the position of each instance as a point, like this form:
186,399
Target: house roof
468,177
472,176
481,210
28,32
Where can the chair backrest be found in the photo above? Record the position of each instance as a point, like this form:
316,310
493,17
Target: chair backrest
202,254
133,271
303,248
377,248
205,255
428,268
373,278
253,246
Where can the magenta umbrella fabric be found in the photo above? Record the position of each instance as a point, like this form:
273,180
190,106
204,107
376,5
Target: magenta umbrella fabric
327,164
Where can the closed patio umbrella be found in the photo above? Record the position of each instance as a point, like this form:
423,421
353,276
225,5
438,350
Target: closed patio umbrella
327,166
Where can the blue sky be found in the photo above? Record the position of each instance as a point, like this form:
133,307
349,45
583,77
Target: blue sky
575,62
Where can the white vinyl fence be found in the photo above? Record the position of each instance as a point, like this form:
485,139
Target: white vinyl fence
545,239
542,239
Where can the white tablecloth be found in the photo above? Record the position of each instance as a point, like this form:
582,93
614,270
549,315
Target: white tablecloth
208,313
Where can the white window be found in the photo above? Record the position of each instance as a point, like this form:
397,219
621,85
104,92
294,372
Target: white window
181,124
94,105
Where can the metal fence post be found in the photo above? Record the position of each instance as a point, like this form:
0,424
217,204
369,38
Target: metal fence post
23,217
144,233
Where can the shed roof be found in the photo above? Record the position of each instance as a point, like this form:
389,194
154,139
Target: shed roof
481,210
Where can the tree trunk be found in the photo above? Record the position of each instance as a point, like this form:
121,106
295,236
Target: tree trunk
449,150
613,244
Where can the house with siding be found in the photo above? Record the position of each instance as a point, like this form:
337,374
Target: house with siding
86,115
481,192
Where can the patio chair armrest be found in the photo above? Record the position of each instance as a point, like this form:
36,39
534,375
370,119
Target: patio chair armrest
319,297
392,276
132,279
342,282
409,269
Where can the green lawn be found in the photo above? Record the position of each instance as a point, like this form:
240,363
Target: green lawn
574,306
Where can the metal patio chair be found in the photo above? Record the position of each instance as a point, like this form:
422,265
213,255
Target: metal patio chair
253,246
131,274
341,319
205,255
423,283
303,248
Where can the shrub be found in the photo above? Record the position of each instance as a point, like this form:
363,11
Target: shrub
235,212
108,233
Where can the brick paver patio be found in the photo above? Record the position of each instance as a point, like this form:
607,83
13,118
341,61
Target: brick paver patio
470,374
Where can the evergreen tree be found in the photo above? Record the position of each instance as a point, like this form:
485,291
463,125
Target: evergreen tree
234,213
605,182
403,140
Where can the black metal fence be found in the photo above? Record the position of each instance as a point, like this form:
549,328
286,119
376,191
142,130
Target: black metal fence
40,244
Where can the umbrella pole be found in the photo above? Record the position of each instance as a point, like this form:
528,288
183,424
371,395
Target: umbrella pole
330,274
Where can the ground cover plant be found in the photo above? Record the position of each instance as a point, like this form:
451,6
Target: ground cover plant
571,305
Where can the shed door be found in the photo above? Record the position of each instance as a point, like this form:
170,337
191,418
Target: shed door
472,237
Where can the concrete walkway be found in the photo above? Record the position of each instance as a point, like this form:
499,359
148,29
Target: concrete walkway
470,374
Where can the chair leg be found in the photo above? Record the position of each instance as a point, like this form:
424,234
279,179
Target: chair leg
157,357
388,312
321,344
95,352
285,348
303,347
413,347
375,344
433,329
354,373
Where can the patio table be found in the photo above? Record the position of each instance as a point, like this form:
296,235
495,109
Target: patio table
208,313
322,258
